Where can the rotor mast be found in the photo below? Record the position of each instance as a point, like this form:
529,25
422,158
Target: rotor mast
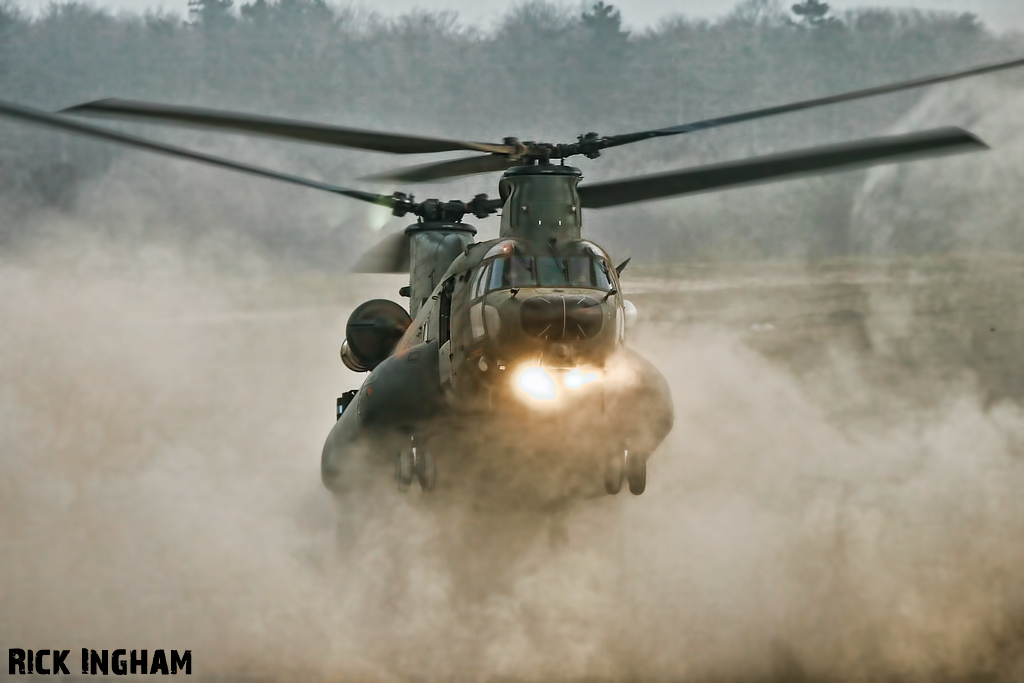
542,203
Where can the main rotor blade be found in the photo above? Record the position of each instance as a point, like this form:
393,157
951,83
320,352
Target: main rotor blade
304,131
772,167
42,118
485,163
390,255
616,140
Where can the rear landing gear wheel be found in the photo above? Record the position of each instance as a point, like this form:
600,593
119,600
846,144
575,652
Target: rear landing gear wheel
614,467
636,473
425,468
404,464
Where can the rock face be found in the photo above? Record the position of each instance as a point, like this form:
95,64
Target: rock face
973,202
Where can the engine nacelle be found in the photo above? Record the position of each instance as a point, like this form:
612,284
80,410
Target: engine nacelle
371,334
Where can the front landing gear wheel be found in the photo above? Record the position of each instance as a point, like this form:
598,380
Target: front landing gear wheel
614,467
636,473
425,468
404,464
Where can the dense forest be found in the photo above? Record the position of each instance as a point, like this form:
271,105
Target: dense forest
543,71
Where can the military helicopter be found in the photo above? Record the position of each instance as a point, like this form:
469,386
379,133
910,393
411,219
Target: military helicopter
511,361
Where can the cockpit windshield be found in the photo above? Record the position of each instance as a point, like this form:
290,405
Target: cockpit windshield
521,270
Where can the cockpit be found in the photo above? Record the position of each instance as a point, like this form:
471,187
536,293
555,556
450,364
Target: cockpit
579,267
545,312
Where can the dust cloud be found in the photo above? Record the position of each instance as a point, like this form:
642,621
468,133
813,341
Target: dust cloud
843,515
839,499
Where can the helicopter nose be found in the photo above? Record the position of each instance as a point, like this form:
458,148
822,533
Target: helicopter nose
561,318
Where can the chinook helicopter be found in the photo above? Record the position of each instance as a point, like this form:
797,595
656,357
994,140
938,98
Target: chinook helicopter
511,361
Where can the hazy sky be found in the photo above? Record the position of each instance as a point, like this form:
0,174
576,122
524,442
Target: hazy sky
998,14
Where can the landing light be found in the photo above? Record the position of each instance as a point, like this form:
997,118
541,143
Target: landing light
577,378
546,385
538,384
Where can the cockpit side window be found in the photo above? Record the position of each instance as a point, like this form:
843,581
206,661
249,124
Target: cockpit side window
498,274
480,281
601,276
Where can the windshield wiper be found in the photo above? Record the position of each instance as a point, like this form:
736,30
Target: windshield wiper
564,267
527,265
604,266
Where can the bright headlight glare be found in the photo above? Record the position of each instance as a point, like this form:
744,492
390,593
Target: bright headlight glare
538,384
577,378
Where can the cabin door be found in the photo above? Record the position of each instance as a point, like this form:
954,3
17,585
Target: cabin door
444,332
